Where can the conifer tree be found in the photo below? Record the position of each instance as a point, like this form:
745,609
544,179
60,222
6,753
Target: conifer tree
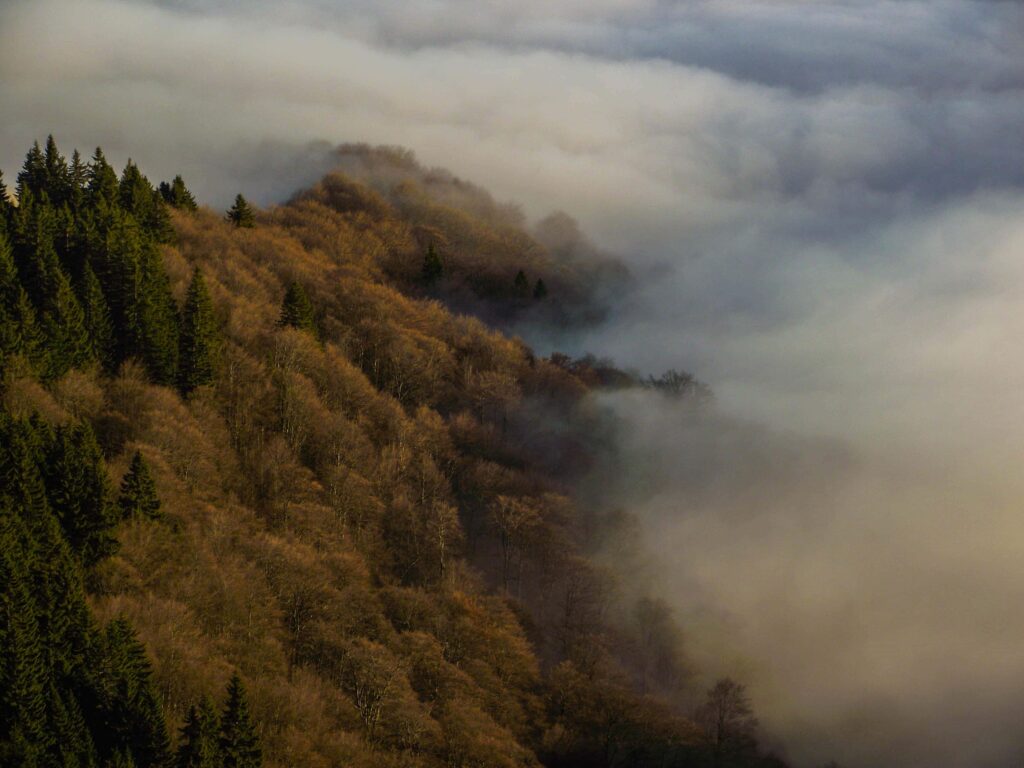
199,337
61,316
78,178
5,202
32,177
521,284
79,492
432,266
239,744
97,319
177,195
241,213
138,491
200,738
539,289
158,318
58,181
102,183
297,310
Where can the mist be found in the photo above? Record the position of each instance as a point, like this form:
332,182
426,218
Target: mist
823,207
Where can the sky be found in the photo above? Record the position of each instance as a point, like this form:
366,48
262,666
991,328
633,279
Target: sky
823,203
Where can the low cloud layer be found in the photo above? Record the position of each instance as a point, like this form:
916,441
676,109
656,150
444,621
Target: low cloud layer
824,205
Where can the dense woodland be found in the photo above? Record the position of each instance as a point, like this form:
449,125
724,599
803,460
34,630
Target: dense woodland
266,499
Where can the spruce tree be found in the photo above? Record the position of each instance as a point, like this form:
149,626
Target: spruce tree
200,738
5,202
138,491
78,179
58,181
297,310
239,744
539,289
98,322
241,213
102,183
521,284
158,317
32,177
176,195
199,338
61,316
432,266
79,492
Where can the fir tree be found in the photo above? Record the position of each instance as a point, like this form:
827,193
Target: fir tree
176,195
297,310
199,337
432,266
138,491
102,183
79,492
540,290
5,202
78,179
241,213
158,318
58,180
239,744
61,316
521,284
32,177
97,319
200,738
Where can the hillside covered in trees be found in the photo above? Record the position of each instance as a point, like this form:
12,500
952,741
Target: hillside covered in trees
268,498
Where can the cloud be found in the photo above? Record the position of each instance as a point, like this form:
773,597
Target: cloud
823,204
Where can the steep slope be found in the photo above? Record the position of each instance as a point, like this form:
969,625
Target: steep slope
361,500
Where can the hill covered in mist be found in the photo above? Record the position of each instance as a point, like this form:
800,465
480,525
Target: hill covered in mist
269,494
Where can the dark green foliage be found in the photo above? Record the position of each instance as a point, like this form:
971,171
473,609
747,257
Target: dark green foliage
5,202
239,744
521,285
138,491
433,269
158,317
241,214
540,290
32,178
79,490
297,310
19,333
200,738
101,186
176,195
98,322
62,319
199,337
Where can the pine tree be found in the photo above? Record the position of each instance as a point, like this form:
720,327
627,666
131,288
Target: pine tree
78,179
138,491
521,284
200,738
432,266
239,744
540,290
176,195
98,322
297,310
5,202
102,183
199,337
58,180
241,213
32,177
79,493
158,318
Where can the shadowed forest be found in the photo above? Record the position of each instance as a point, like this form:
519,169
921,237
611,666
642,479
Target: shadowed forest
277,489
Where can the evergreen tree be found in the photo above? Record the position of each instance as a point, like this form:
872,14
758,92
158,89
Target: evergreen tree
58,180
297,310
78,179
176,195
138,491
63,322
79,492
102,186
98,322
241,214
19,333
540,290
129,702
32,177
158,315
239,744
432,266
521,284
200,738
5,202
199,337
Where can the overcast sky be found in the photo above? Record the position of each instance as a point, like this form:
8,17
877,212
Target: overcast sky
824,203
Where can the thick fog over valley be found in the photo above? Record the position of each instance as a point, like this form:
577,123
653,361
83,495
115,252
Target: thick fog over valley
822,205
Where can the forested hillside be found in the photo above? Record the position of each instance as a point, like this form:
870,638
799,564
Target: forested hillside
266,499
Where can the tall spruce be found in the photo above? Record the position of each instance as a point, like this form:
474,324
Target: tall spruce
177,195
200,738
297,310
138,496
102,185
32,177
241,214
200,340
433,269
97,319
239,743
